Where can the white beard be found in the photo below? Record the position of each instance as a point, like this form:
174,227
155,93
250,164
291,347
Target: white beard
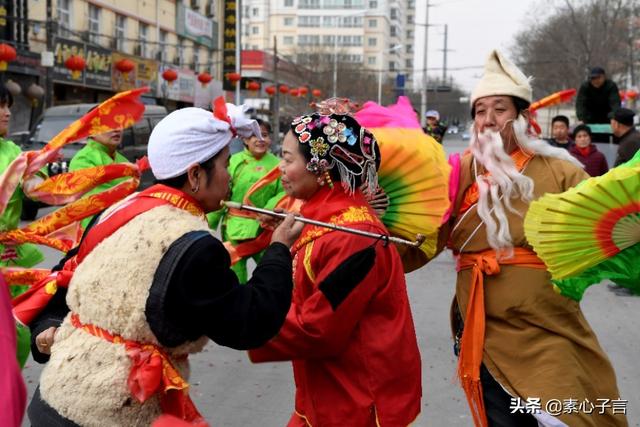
505,182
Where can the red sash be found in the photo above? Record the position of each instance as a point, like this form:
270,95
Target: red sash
28,305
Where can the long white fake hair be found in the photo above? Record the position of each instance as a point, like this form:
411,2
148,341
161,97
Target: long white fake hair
504,181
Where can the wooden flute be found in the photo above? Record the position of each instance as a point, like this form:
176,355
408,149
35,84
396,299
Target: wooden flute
419,237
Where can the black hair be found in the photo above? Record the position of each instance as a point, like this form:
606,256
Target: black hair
305,149
581,128
5,96
519,103
560,118
179,181
265,124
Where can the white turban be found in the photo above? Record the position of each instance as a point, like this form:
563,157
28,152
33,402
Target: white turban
502,77
192,136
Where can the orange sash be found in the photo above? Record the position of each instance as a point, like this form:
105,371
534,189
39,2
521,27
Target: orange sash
151,372
472,343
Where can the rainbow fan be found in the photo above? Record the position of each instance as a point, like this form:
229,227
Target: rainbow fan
414,173
590,232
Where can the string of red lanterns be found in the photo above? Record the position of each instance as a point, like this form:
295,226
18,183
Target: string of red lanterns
7,54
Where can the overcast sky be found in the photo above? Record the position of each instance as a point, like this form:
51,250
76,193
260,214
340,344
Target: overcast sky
475,27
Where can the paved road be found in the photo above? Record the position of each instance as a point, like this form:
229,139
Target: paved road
230,391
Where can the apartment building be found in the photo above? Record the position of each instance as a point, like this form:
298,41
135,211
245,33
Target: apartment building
377,34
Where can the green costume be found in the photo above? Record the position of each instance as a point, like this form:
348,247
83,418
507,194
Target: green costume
246,170
95,154
28,255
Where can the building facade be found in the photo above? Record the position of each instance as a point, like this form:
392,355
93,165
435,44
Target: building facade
151,34
377,34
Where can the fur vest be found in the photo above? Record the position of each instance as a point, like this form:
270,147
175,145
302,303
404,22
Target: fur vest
86,377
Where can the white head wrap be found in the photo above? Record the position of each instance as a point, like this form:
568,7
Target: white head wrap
502,77
193,135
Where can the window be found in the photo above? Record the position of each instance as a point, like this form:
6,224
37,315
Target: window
288,22
394,31
309,4
288,3
373,41
409,48
394,14
196,58
255,11
392,65
373,23
142,37
373,4
287,40
408,63
410,19
410,34
371,60
120,33
162,46
255,30
94,24
181,51
308,21
64,17
309,40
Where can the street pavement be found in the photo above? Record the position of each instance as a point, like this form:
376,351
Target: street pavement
230,391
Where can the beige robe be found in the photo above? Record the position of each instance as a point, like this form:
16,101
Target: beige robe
538,343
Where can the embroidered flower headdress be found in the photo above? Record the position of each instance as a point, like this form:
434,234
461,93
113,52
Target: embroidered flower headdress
336,139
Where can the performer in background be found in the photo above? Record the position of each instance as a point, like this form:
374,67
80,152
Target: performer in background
519,339
24,255
150,284
349,331
246,168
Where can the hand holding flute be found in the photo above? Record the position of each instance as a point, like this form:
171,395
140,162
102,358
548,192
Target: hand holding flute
288,231
419,238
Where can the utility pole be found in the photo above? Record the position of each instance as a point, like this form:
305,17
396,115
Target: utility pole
423,103
238,48
48,96
276,96
444,53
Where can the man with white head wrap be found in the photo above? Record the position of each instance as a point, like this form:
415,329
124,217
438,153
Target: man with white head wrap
518,339
152,285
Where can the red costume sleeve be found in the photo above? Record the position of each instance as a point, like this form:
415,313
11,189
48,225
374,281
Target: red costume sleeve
313,328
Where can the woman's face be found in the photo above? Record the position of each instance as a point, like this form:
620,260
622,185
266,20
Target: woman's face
297,181
259,148
213,186
583,139
5,116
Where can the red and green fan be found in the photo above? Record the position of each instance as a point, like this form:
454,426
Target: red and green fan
591,232
414,174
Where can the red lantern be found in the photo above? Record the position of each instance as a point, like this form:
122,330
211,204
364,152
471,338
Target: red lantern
234,78
316,93
631,94
7,54
169,75
294,92
204,78
253,86
271,90
125,66
76,64
284,89
303,91
622,94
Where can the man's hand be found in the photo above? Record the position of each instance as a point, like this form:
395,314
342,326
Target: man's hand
288,231
45,339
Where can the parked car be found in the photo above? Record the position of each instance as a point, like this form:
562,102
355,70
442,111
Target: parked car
133,146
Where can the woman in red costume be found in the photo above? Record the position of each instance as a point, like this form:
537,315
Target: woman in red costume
349,331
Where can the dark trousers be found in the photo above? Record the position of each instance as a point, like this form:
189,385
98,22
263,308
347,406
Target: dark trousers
497,403
42,415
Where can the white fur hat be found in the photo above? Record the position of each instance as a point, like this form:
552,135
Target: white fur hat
502,77
193,135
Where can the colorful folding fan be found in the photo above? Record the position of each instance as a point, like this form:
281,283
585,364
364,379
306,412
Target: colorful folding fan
414,173
590,232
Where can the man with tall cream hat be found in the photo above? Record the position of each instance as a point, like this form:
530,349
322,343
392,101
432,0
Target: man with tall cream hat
528,356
